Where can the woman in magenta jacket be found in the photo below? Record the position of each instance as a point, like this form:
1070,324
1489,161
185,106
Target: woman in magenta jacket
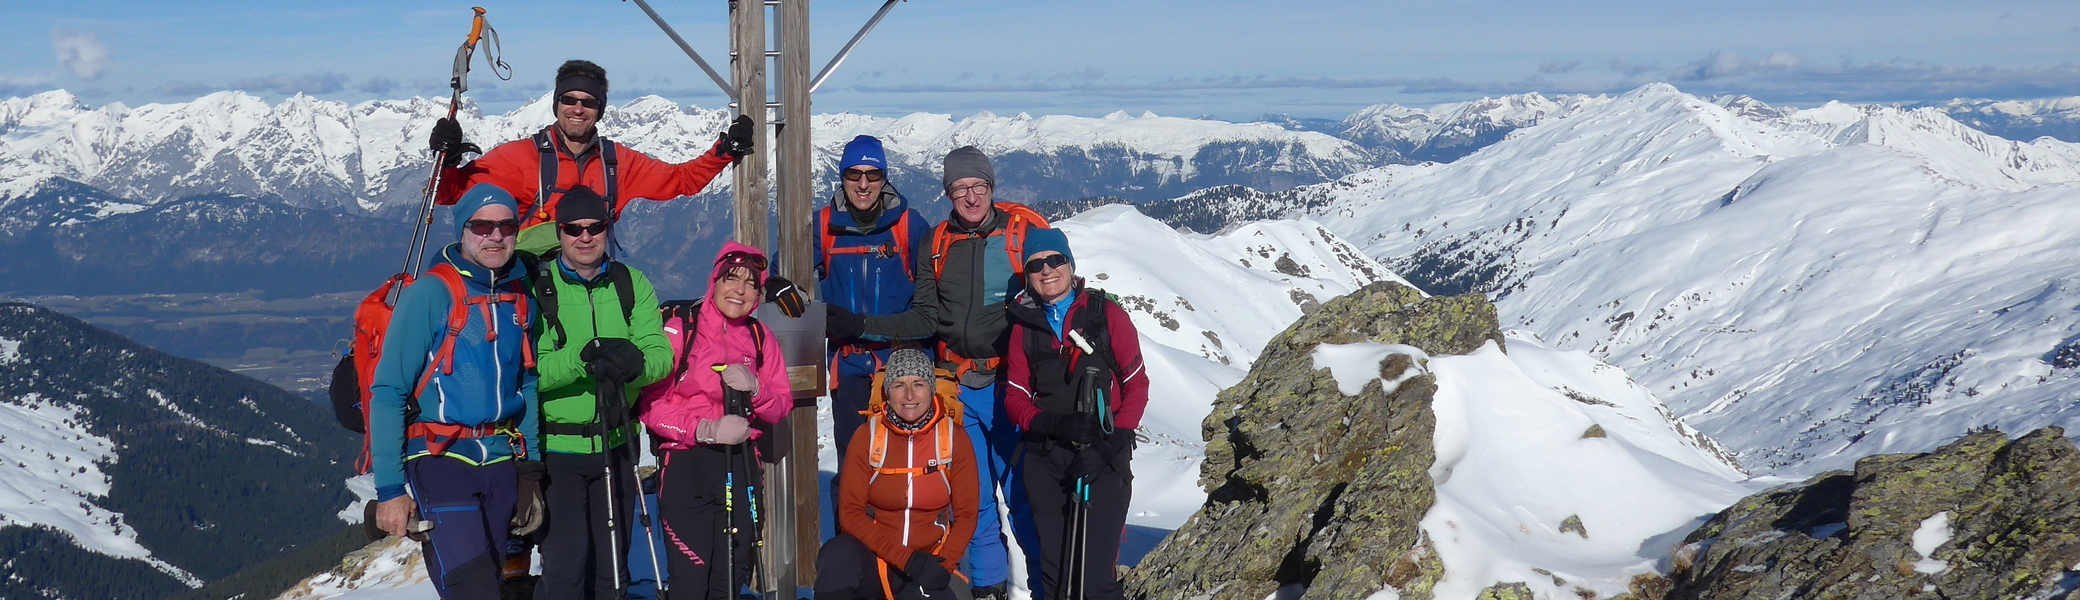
708,463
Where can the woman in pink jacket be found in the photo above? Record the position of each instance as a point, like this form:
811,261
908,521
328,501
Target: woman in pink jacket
726,384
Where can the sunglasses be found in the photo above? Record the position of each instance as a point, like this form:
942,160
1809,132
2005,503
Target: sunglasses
568,100
874,175
1046,262
484,228
740,258
576,230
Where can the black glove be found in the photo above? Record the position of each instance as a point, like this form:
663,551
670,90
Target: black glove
736,143
786,295
613,359
841,324
1088,462
528,507
926,570
1080,429
447,142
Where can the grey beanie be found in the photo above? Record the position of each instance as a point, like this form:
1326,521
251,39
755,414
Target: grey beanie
907,362
965,162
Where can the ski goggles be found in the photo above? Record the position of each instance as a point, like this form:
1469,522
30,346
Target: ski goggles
875,175
740,258
569,100
576,230
482,227
1047,262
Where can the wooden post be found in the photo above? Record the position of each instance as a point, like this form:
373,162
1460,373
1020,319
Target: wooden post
795,186
748,69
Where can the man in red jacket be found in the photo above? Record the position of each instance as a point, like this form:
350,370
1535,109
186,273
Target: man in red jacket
581,157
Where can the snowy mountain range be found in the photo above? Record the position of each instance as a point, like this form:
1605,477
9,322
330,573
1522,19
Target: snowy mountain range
1805,286
1808,286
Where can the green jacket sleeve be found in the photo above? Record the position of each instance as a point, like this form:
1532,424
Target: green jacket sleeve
646,331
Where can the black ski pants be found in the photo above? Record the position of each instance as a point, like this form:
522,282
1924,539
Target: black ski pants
578,551
1048,491
690,499
847,570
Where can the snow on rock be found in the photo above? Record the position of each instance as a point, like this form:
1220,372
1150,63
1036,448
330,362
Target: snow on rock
1933,533
388,570
52,474
1354,365
1552,466
10,351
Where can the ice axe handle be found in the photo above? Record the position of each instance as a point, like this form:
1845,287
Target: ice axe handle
476,27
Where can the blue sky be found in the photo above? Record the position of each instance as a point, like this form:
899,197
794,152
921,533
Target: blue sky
1229,59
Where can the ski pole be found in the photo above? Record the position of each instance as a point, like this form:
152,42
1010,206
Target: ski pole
458,82
608,419
650,525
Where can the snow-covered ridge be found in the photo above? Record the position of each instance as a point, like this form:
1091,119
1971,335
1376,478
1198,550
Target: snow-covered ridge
1807,286
373,154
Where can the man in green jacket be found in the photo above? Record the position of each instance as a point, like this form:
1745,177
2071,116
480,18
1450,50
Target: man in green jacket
602,340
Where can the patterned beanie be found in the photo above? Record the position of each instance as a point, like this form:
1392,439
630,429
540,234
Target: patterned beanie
907,362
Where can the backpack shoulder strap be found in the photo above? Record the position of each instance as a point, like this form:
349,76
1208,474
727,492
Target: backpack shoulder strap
624,283
758,342
545,296
942,240
443,359
545,145
1019,218
825,240
1097,322
902,241
611,161
689,313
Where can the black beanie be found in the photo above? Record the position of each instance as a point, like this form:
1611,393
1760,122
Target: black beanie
581,203
578,75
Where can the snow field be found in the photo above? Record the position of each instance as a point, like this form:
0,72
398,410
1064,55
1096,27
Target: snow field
51,475
1558,472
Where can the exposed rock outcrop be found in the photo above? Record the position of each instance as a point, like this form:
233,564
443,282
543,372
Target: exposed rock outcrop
1312,490
1983,517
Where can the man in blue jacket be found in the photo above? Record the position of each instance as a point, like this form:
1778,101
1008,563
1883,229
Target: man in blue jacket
453,417
865,240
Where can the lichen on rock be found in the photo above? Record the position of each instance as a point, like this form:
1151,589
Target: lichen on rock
1310,487
2014,523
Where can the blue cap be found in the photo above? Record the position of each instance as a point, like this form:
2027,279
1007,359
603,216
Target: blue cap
478,197
863,151
1040,240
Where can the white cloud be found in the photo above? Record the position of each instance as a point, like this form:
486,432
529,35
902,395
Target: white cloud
80,52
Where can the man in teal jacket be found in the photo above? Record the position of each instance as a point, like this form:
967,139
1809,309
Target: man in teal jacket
601,334
451,419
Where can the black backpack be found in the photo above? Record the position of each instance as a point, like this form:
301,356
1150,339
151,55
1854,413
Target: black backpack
545,271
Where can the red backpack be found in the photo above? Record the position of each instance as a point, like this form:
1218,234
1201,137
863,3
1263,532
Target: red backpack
356,371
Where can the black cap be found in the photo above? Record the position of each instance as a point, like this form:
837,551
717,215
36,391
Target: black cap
581,203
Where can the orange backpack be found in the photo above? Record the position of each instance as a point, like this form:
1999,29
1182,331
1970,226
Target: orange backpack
948,418
356,372
1014,232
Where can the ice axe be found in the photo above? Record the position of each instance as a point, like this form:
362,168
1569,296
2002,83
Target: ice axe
479,30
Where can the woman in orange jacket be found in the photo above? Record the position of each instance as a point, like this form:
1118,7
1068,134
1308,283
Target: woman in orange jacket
907,498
